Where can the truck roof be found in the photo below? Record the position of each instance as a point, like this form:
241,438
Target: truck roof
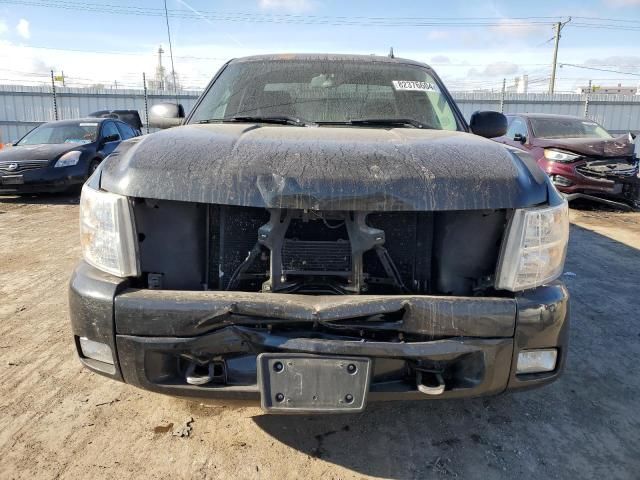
334,57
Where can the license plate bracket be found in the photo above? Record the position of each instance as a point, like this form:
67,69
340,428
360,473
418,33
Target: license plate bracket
301,383
12,180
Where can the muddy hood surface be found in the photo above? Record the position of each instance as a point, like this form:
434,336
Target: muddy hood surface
324,168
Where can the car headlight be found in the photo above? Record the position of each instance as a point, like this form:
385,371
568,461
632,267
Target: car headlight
560,156
535,247
69,159
108,233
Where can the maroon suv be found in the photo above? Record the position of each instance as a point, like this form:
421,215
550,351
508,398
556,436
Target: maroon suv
580,156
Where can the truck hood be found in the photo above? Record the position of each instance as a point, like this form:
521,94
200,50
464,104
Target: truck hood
324,168
35,152
592,147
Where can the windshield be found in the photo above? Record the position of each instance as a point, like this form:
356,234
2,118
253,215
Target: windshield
567,128
81,133
327,92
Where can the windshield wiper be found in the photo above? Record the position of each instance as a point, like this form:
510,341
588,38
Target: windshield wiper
279,119
388,122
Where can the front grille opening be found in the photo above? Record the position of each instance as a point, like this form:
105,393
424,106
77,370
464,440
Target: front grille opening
188,246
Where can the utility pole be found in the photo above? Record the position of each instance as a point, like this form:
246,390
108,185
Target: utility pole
55,100
586,101
146,101
552,82
504,87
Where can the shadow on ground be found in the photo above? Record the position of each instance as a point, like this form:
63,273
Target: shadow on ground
42,199
591,205
583,426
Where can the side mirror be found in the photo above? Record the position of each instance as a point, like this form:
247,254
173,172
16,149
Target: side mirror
518,137
111,138
488,124
166,115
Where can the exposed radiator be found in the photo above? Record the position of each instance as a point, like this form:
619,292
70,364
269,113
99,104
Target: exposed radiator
311,257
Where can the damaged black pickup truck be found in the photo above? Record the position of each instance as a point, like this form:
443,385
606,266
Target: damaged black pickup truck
320,231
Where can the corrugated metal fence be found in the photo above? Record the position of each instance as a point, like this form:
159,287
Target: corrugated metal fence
23,107
617,113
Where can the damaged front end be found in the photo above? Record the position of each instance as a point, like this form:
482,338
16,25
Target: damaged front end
603,171
209,344
316,265
317,311
617,181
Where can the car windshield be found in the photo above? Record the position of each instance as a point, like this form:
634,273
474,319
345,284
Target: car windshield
331,92
81,132
567,128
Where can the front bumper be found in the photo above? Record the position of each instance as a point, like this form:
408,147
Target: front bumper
473,342
47,179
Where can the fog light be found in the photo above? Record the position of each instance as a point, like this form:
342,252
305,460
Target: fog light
536,361
560,180
96,350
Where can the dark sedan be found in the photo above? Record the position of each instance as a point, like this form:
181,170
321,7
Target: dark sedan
59,156
580,156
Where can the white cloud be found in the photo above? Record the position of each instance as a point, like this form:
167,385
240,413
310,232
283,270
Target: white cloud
3,27
495,69
23,29
440,59
295,6
628,63
622,3
517,28
438,35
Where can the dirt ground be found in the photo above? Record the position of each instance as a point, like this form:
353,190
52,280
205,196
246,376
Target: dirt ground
60,421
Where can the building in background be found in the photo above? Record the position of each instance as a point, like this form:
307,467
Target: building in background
520,85
610,90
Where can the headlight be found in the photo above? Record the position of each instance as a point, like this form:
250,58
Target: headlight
559,155
535,247
69,159
107,232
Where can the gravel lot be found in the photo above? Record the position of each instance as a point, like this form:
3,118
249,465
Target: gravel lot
60,421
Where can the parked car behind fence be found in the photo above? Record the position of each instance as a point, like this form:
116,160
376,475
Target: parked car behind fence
59,156
581,157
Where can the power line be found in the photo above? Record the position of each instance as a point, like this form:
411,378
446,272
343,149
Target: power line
173,69
113,52
604,27
241,17
598,69
293,19
624,20
102,6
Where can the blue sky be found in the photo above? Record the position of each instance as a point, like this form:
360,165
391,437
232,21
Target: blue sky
465,56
